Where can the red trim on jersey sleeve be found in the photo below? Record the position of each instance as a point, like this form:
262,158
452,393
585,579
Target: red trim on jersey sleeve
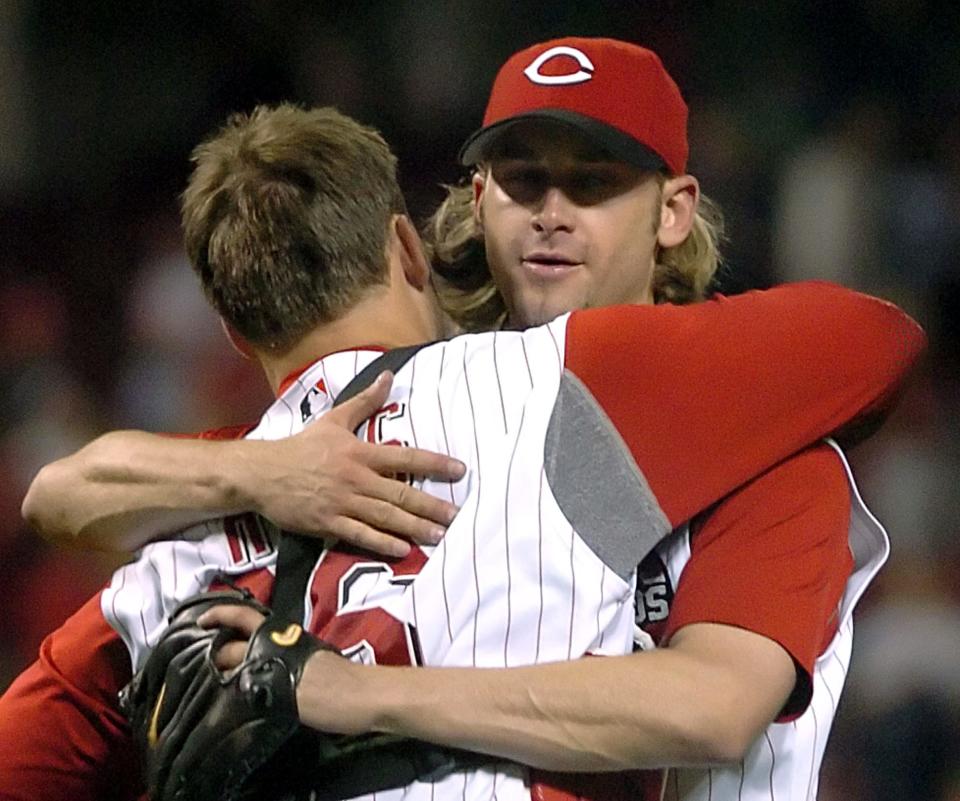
709,395
62,735
774,558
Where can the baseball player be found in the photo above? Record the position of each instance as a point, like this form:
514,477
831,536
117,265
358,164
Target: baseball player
558,415
581,102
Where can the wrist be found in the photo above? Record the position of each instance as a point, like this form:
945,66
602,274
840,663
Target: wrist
336,695
236,479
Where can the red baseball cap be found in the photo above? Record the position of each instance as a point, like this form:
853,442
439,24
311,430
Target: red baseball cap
617,93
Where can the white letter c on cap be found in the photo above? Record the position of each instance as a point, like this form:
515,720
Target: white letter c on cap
581,75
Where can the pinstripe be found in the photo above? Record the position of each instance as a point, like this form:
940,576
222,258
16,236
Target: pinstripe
506,532
813,754
709,784
323,372
526,360
603,575
773,761
742,776
556,347
843,667
476,508
443,423
413,378
446,446
833,700
173,556
496,372
540,563
143,623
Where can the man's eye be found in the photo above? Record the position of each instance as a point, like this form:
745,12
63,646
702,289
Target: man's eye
526,175
523,183
588,181
594,186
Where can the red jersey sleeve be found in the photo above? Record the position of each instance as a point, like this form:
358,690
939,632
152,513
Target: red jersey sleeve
774,558
710,395
62,735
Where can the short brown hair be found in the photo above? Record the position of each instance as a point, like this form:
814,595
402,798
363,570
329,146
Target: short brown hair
285,219
454,244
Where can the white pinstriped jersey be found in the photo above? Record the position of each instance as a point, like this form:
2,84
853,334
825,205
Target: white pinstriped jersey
515,581
626,379
784,763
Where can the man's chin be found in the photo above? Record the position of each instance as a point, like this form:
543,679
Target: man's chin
541,313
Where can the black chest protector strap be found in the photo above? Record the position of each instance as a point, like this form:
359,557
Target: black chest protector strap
378,763
297,555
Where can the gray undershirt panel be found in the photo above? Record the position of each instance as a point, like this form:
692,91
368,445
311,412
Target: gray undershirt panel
596,482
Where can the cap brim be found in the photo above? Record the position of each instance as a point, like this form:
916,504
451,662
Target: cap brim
621,146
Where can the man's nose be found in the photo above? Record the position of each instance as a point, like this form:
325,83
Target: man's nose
555,213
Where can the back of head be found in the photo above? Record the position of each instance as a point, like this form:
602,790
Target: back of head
285,219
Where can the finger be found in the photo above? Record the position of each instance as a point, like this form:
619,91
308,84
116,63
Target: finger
362,536
382,516
403,503
230,655
415,462
234,616
353,412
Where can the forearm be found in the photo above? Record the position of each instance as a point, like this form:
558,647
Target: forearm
665,707
127,487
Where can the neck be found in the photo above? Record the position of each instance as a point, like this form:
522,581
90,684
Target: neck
383,318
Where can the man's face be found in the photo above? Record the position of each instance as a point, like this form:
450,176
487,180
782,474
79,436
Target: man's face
564,226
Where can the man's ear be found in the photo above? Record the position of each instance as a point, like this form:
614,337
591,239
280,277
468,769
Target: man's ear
479,183
410,250
240,345
679,200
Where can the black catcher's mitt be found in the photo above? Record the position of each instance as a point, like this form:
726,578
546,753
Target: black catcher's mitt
207,735
204,732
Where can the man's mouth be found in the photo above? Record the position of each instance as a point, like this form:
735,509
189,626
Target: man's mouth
547,264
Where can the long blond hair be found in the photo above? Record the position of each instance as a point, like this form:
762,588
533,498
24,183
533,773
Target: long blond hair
454,244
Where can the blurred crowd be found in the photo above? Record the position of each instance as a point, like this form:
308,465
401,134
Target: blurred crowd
828,132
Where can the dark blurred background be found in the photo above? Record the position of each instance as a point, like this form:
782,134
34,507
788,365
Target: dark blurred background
828,131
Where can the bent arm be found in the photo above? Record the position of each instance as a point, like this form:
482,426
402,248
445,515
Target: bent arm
753,610
710,395
701,701
126,487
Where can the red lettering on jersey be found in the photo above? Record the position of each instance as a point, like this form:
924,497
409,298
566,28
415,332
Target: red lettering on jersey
342,578
259,540
247,538
374,431
238,553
